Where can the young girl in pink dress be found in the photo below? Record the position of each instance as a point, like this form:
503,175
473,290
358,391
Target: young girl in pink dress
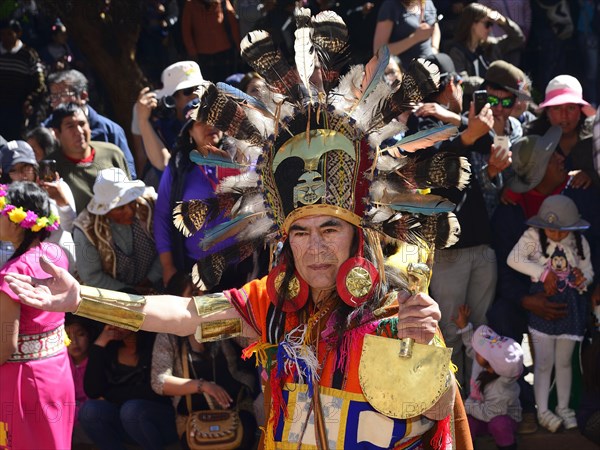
37,398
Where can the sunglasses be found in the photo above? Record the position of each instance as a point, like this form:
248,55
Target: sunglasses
188,91
506,103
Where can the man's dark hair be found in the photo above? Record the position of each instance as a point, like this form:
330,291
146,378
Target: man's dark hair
12,24
62,111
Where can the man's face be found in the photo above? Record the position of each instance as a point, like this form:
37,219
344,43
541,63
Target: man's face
565,116
8,38
74,135
320,245
63,93
501,102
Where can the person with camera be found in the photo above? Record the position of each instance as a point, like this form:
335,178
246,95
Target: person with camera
158,116
19,164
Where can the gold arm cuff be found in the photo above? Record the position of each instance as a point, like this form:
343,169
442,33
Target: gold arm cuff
209,304
111,307
215,330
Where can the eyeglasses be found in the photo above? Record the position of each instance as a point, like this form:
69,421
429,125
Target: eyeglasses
188,91
507,102
60,95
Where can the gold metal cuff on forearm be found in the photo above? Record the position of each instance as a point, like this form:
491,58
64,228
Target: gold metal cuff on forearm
111,307
215,330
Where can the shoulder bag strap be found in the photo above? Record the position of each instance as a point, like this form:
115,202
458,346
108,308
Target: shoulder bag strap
186,373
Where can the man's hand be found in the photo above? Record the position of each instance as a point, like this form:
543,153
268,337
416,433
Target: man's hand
59,292
498,162
438,111
479,124
418,317
539,305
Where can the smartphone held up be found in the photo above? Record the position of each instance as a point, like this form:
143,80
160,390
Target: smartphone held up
480,98
47,170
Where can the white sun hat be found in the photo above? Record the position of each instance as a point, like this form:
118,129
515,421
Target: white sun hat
181,75
112,189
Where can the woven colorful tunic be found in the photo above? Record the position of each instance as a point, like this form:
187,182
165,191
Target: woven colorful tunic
293,368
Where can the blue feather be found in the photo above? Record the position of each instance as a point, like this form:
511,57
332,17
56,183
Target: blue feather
374,71
420,204
215,160
228,229
423,139
241,96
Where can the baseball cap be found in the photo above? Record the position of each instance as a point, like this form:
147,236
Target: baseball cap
15,152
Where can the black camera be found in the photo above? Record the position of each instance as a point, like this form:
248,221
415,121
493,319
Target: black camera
165,108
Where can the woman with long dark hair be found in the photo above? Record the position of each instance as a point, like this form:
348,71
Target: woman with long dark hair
37,386
473,49
184,180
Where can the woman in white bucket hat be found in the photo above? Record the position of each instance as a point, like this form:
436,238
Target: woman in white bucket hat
114,235
564,106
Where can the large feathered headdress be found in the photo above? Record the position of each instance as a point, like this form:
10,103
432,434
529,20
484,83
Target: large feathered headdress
312,143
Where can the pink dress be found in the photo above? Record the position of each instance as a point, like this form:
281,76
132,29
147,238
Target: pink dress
37,397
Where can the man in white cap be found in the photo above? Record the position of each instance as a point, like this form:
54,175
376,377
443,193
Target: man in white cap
158,115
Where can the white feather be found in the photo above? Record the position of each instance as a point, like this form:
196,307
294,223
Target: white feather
248,204
369,107
239,182
380,214
345,95
386,163
304,49
389,130
259,228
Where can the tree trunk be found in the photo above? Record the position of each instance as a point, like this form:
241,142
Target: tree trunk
107,32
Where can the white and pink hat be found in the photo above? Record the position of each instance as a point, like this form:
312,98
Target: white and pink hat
502,353
565,89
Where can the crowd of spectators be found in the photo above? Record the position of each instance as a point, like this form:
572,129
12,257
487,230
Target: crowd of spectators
114,190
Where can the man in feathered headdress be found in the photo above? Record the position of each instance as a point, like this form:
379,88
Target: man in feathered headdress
350,348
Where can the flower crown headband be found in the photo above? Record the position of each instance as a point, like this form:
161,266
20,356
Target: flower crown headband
26,219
